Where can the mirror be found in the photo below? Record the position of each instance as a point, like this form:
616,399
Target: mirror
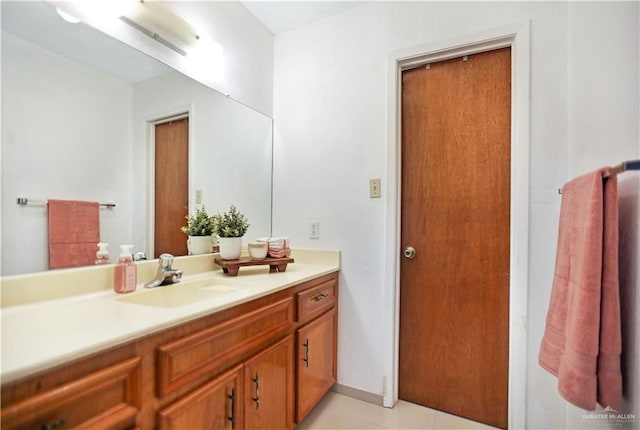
78,114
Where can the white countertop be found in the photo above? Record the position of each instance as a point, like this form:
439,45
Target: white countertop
40,335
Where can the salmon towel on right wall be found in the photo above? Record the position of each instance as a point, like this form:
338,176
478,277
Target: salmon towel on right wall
582,339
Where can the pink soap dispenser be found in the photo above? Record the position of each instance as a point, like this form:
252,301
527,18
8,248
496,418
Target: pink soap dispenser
102,256
126,276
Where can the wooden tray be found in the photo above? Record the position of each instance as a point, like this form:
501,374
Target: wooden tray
231,267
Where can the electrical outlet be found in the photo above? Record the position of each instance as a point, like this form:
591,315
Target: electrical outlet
198,197
314,230
374,188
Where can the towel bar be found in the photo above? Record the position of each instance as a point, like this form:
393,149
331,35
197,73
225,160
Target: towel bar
625,166
23,201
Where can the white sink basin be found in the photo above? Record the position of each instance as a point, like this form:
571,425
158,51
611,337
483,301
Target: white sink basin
182,293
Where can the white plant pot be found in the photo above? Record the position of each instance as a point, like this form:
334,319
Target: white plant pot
230,247
197,245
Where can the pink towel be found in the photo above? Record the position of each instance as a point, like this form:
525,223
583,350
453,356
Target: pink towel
74,232
582,340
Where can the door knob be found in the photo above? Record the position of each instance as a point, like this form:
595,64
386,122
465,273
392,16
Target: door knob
409,252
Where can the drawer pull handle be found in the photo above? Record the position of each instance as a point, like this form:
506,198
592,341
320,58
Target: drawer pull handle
54,425
320,297
257,397
306,353
232,418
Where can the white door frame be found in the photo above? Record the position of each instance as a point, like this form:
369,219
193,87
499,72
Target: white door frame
517,37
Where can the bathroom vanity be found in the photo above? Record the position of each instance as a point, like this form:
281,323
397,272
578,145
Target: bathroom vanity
255,351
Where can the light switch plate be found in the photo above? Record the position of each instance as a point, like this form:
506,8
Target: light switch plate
198,197
374,188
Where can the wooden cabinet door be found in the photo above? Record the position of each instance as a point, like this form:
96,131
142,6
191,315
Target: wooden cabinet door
316,361
268,385
216,405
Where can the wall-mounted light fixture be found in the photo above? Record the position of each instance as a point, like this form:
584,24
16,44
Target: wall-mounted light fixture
67,16
202,55
148,17
75,11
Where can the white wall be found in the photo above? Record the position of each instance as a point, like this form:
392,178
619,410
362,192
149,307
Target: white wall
248,49
330,138
604,121
65,135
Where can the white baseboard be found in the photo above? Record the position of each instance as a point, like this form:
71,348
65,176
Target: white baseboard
365,396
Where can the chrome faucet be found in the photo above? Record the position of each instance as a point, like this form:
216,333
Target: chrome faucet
166,275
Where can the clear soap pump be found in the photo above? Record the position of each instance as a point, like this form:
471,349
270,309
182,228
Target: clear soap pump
126,271
102,256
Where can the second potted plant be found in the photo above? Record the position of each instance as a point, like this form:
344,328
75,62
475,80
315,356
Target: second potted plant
230,227
199,228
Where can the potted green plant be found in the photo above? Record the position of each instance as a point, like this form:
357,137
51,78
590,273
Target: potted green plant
230,227
199,228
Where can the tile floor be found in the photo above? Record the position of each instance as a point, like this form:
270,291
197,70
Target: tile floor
339,412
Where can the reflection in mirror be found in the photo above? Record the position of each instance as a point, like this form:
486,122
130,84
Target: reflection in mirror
78,116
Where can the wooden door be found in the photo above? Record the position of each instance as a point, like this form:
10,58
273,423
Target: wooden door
268,385
454,294
316,361
171,187
215,406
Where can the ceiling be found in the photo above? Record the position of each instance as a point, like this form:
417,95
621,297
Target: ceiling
280,16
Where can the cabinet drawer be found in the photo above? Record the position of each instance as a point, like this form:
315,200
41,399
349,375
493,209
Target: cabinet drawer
108,398
189,358
317,299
